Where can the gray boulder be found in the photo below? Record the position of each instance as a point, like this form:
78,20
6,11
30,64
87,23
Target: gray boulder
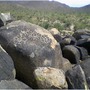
7,70
84,43
50,78
71,53
13,84
86,68
30,46
76,78
83,53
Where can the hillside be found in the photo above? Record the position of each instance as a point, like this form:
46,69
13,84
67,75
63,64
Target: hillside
86,8
52,6
48,14
40,5
46,6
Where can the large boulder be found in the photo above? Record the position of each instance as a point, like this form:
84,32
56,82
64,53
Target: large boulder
86,68
7,70
76,78
30,46
50,78
13,84
71,53
81,34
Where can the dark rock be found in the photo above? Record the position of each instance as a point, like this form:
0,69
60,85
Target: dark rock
83,53
76,78
86,68
1,23
82,34
13,84
30,46
84,43
7,70
71,53
67,40
50,78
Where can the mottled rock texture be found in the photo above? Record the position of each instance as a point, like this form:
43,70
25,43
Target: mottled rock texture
50,78
7,70
30,46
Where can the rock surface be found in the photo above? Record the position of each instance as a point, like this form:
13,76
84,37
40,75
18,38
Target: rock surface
66,65
7,70
82,34
5,18
83,53
86,68
30,46
76,78
50,78
71,53
67,40
1,23
13,84
84,43
56,34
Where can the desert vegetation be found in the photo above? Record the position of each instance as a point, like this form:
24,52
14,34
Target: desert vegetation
73,19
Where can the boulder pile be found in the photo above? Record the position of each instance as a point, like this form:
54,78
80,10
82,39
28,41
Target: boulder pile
76,49
32,57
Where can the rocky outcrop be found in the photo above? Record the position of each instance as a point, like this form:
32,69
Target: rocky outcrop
13,84
43,59
30,46
7,70
50,78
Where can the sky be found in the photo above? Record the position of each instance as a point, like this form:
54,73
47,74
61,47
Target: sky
75,3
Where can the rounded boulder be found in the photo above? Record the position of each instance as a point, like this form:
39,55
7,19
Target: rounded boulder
30,46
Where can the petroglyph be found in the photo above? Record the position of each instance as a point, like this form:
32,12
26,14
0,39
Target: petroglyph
32,37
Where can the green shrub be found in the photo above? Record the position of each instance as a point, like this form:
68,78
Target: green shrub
58,26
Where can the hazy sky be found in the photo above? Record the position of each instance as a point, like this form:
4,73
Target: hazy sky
74,3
